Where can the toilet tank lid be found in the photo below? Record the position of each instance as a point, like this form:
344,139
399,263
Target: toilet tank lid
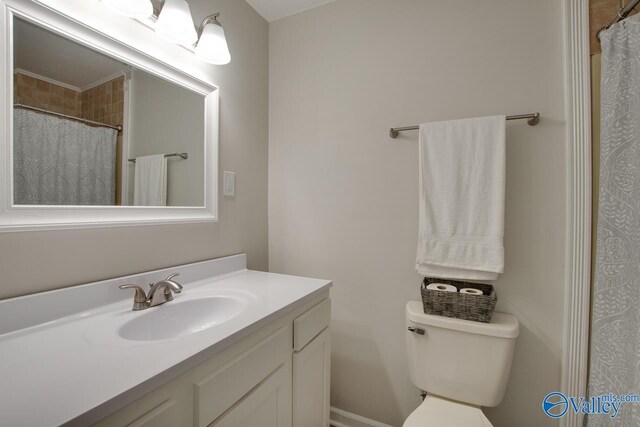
502,325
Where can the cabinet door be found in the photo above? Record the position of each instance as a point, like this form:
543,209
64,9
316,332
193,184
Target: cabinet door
311,381
220,390
267,405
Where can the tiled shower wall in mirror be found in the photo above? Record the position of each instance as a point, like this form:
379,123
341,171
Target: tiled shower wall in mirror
34,92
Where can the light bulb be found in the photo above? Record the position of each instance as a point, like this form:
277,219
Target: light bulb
175,22
212,46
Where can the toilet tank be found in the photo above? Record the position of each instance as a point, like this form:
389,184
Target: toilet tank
460,359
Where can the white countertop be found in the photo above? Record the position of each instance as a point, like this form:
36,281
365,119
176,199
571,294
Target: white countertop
76,369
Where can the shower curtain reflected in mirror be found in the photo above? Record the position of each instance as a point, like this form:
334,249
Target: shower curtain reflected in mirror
62,162
615,330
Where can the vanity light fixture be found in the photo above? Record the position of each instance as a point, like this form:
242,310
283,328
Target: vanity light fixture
175,22
212,45
139,9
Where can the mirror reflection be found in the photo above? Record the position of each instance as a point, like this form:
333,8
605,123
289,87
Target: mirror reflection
91,130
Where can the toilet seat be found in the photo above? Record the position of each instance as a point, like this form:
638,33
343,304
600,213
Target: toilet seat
438,412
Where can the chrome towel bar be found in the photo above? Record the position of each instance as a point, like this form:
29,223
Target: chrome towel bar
532,119
185,156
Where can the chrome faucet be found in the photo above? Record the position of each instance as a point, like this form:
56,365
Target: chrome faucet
142,301
170,287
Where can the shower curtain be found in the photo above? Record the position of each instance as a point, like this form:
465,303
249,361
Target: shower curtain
62,162
615,329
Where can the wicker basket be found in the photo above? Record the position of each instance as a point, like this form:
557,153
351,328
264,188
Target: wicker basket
461,306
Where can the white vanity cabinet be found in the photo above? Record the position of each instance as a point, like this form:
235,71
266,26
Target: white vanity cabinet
276,376
311,376
311,366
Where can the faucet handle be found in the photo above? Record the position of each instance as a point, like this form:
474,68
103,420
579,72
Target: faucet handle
140,296
169,279
139,299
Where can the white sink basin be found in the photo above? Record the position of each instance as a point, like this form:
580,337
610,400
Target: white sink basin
177,318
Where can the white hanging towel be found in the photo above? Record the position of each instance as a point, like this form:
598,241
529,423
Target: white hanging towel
462,184
150,182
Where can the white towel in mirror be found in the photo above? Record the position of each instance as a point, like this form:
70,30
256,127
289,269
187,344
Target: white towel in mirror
150,182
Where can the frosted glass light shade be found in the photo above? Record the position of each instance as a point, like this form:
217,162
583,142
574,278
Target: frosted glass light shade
175,22
212,46
131,8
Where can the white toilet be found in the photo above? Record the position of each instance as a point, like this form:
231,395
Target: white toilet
460,364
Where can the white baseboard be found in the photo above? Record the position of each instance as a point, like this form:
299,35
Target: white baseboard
340,418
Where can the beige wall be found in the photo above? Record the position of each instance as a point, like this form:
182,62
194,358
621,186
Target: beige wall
343,196
37,261
166,118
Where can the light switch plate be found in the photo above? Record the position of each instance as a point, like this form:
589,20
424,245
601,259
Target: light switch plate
229,184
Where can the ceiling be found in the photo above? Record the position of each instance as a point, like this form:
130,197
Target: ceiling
49,55
272,10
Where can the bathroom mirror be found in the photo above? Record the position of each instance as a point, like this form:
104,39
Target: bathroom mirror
99,133
72,144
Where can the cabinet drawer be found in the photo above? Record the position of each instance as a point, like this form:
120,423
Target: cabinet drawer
217,392
311,323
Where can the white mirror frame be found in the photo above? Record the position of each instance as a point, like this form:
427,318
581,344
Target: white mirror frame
27,218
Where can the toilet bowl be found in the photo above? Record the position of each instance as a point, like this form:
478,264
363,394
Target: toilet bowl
438,412
462,366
